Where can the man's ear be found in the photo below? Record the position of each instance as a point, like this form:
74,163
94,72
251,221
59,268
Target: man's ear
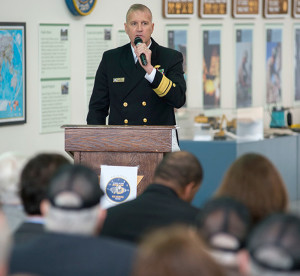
125,27
44,207
243,262
189,191
101,218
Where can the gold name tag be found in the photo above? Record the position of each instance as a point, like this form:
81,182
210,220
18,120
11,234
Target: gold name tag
118,79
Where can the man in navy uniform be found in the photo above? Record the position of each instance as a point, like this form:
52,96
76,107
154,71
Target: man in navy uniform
133,93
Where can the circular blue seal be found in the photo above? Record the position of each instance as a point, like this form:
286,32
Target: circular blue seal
81,7
117,189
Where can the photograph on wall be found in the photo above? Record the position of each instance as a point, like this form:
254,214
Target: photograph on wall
12,73
297,64
243,71
273,65
211,75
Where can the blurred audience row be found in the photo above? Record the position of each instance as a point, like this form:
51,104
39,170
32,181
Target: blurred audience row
51,222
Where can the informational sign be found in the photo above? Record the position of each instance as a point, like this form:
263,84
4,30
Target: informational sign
122,38
245,8
98,39
178,8
276,8
54,65
212,8
211,74
243,65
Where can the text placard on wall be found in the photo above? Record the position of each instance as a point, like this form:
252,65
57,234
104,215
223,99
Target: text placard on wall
212,8
245,8
178,8
276,8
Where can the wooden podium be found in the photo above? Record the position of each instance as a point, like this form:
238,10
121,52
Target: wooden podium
142,146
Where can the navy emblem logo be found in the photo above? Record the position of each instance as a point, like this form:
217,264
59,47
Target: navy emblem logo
117,189
81,7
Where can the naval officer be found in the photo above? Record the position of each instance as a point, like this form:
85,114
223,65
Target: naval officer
139,83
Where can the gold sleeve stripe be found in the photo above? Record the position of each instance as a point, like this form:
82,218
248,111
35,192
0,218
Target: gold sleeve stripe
164,87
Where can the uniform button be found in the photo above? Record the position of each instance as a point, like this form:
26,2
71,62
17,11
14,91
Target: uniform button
125,121
144,103
145,120
125,104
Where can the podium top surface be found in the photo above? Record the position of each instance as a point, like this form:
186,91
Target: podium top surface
107,138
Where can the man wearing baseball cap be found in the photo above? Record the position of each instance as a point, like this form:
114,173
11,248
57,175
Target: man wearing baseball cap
73,218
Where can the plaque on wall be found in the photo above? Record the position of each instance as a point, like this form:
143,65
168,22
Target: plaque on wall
178,8
212,8
245,8
276,8
296,8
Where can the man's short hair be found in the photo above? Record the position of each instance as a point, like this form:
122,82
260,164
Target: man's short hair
274,246
137,7
74,193
35,179
181,168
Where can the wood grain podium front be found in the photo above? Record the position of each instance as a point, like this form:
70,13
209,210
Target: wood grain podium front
142,146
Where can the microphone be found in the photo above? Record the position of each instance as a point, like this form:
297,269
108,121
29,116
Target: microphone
137,41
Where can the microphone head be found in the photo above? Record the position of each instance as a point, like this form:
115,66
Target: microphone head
137,40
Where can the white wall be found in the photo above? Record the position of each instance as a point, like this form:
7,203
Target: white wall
27,139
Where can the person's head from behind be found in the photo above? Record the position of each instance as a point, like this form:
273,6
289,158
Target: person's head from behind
224,224
139,23
5,245
174,251
182,172
11,165
254,180
35,179
72,204
273,248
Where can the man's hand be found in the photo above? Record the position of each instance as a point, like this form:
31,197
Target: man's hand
141,48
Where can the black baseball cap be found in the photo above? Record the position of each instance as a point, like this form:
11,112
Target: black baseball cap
275,243
224,224
74,187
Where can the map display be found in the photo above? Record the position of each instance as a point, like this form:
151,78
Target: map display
12,73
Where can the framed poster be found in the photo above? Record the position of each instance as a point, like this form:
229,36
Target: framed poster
275,8
273,64
296,9
211,74
12,73
178,8
212,8
243,65
245,8
297,63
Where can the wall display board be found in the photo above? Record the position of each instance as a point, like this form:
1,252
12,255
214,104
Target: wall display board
275,8
55,72
212,8
12,73
178,8
273,64
177,39
211,74
297,63
296,8
243,65
245,8
122,38
98,39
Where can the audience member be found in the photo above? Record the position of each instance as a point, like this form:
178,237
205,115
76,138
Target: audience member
174,251
34,182
254,180
11,165
273,248
224,224
73,219
5,245
176,180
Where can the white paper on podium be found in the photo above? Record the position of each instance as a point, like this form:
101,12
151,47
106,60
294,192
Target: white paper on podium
119,184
